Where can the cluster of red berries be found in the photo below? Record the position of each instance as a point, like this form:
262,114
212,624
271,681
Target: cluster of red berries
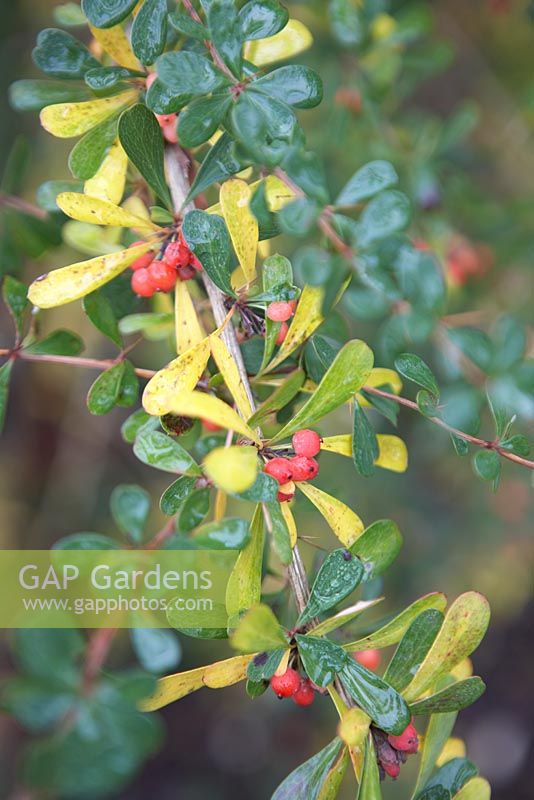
292,684
160,274
393,751
281,311
302,467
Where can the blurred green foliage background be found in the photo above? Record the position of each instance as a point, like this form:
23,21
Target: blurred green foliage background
58,464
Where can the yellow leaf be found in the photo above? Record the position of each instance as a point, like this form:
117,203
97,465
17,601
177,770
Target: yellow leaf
173,687
116,44
284,662
463,670
290,41
189,331
392,455
244,585
354,727
308,317
75,281
100,212
67,120
206,406
277,195
228,672
241,223
135,205
180,375
380,376
476,789
108,183
453,748
290,522
230,373
346,525
232,469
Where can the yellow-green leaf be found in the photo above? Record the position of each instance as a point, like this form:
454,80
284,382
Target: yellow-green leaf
108,182
173,687
232,469
380,376
180,375
230,373
67,120
333,780
346,525
277,195
476,789
228,672
189,331
244,585
392,455
307,319
453,748
205,406
75,281
354,727
291,40
344,377
462,631
116,44
100,212
258,630
290,522
241,223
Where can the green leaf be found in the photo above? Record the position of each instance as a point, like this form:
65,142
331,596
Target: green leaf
378,547
280,398
453,775
339,575
436,793
414,369
487,465
182,22
509,339
208,238
474,344
103,14
42,652
86,541
259,19
5,374
175,495
321,659
277,272
346,21
370,783
34,95
162,100
89,152
220,163
263,490
60,55
366,182
157,650
15,296
130,507
129,390
264,665
453,698
244,585
48,191
264,126
460,445
36,704
413,648
384,705
258,630
348,373
141,137
104,392
438,731
517,444
307,171
225,33
193,510
100,311
149,30
58,343
298,86
364,442
185,72
202,118
106,80
135,422
160,451
298,217
305,782
387,213
267,221
388,408
231,533
69,14
279,532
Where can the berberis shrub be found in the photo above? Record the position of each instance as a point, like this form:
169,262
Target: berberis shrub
190,173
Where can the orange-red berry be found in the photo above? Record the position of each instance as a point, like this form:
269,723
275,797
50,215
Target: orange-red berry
162,275
287,684
305,695
304,469
186,273
306,443
407,741
286,492
282,333
368,658
142,261
195,263
280,469
210,426
177,254
142,283
279,311
392,770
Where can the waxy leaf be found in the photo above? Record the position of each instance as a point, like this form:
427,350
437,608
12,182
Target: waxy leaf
193,510
149,30
462,631
387,213
343,379
232,469
185,72
100,212
157,650
294,84
130,506
15,296
183,23
225,32
206,406
89,152
366,182
264,665
306,782
202,118
260,19
220,162
208,238
142,140
370,782
383,704
453,698
436,735
321,659
346,525
294,38
244,585
413,648
60,55
232,378
378,547
343,617
58,343
414,369
100,311
75,281
364,442
475,789
453,775
115,42
33,95
160,451
339,575
277,274
182,374
67,120
231,533
103,14
176,494
241,223
258,630
104,393
263,490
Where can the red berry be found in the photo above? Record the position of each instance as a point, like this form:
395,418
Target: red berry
142,283
280,469
287,684
165,119
304,469
142,261
195,263
368,658
392,770
169,133
162,275
177,254
279,311
286,492
306,443
304,696
186,273
282,333
407,741
150,79
210,426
